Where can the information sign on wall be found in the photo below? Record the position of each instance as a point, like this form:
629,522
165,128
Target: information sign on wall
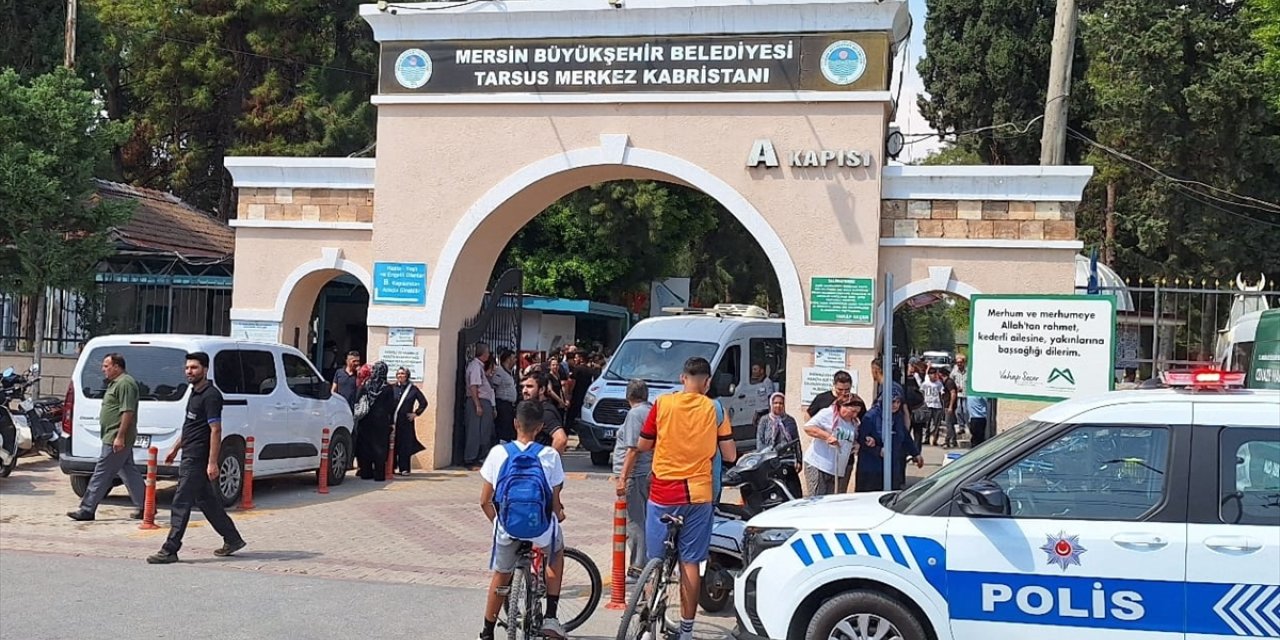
400,283
411,358
255,331
841,300
1041,347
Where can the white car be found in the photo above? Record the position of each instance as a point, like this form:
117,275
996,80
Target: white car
1132,515
285,420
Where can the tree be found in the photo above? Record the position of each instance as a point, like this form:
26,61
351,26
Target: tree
55,232
1181,88
612,239
987,65
1266,21
203,80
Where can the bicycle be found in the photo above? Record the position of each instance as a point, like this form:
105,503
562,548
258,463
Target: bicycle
528,591
649,602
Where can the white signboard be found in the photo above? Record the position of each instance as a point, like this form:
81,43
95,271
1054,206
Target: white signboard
256,331
816,380
1041,347
829,357
400,336
411,358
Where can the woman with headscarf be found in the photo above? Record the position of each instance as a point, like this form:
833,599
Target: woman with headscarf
410,403
374,429
870,472
777,429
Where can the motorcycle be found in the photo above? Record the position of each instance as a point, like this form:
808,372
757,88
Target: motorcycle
765,479
34,426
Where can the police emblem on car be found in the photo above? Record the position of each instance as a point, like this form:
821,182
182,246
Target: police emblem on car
1063,550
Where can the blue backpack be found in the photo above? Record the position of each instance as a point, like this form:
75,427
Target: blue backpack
522,494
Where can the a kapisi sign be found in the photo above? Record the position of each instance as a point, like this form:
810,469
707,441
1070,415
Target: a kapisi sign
765,154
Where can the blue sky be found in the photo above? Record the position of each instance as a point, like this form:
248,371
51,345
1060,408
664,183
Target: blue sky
909,119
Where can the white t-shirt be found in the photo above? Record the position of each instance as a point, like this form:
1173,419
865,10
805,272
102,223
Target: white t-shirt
932,392
551,467
823,456
767,388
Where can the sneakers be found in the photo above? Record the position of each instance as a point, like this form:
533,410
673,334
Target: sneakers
80,516
162,557
228,548
552,628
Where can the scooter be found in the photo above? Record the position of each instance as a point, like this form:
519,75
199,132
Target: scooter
35,423
765,480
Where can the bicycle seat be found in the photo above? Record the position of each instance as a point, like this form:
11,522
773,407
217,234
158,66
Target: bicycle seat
525,547
669,519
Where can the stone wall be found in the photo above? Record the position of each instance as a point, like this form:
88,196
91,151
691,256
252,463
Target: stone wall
320,205
978,219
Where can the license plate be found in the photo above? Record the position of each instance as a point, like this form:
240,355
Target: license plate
142,442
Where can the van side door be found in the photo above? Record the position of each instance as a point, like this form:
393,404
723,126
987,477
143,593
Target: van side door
730,375
253,402
311,392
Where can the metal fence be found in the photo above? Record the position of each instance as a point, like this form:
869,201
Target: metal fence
115,307
1173,324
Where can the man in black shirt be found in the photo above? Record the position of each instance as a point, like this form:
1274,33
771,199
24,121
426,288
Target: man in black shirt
534,388
200,441
841,387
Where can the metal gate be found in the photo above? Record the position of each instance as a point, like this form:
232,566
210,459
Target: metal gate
497,324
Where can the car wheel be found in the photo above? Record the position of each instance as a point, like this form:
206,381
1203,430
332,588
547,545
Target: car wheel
230,473
339,459
717,586
601,458
862,615
80,486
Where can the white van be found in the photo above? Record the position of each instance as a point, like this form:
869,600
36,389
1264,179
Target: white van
286,421
1237,343
731,337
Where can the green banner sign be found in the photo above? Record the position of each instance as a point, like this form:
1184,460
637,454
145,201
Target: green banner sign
841,300
1264,371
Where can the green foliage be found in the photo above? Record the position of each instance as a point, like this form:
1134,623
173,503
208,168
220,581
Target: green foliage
54,233
1265,16
203,80
612,239
934,327
952,154
987,64
1181,87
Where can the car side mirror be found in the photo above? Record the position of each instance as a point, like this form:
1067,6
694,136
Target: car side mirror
983,499
722,386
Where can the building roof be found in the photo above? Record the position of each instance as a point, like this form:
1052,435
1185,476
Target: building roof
165,225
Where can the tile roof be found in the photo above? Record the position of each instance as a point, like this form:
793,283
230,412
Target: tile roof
163,223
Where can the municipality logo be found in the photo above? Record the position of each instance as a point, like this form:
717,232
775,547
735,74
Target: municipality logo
413,68
1062,374
843,62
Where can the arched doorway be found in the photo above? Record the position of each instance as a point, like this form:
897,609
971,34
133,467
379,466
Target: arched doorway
324,308
462,281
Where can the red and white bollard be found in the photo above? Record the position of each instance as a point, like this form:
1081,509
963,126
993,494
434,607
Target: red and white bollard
246,496
324,462
618,590
149,504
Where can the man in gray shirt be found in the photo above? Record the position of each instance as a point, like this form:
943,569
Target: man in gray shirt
632,468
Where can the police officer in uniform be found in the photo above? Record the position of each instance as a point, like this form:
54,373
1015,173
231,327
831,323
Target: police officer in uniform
200,440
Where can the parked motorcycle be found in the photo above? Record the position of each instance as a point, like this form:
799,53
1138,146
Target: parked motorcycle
30,423
765,479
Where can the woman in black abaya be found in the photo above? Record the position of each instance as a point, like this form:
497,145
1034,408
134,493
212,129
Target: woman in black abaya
410,403
374,429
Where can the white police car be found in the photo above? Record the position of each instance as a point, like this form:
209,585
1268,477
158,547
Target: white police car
1136,514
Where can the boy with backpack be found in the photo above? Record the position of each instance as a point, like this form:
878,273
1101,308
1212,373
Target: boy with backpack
521,497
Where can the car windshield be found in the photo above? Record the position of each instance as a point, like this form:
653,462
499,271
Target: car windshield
656,360
160,371
975,457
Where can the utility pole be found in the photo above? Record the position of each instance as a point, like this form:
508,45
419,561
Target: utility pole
1109,241
1053,142
69,51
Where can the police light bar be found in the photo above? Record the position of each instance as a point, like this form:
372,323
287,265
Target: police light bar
1203,379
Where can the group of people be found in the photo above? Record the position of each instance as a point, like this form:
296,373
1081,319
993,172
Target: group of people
940,405
381,410
492,393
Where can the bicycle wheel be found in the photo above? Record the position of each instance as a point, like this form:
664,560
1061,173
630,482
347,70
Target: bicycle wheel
645,606
581,589
517,599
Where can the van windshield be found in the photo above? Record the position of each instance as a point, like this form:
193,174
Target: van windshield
160,371
656,360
